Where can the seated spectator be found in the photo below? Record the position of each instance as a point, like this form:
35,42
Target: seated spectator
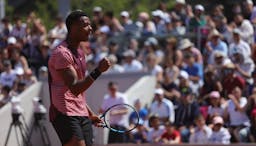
195,71
159,21
171,70
245,27
172,53
143,112
198,20
58,33
220,135
114,68
113,23
140,135
162,107
187,47
177,27
231,80
219,60
244,68
201,133
171,135
151,45
8,76
214,44
235,113
131,64
148,27
156,130
153,67
211,82
216,107
6,96
185,113
239,44
19,29
18,60
170,88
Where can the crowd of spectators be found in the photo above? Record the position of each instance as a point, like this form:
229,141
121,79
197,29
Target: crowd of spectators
203,95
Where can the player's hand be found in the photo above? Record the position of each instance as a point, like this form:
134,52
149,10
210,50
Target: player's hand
96,120
104,64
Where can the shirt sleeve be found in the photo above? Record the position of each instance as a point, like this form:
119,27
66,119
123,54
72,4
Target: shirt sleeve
63,60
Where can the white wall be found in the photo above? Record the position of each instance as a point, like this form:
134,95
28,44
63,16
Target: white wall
134,85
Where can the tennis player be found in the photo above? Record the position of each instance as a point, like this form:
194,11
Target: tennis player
69,113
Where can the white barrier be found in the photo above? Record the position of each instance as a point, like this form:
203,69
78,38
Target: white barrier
139,85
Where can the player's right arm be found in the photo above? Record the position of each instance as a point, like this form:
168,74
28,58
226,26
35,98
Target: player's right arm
77,86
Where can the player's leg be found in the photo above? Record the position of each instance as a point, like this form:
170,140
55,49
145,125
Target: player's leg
69,130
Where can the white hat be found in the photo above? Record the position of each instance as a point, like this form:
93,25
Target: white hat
218,53
158,13
43,69
218,120
214,32
11,40
159,91
97,9
112,58
151,41
236,31
181,1
199,7
184,74
125,14
129,53
104,29
249,2
185,43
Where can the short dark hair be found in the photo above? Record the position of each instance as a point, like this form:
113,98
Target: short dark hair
112,83
72,17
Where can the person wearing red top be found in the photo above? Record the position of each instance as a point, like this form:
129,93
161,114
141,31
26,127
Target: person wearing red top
231,80
70,115
171,135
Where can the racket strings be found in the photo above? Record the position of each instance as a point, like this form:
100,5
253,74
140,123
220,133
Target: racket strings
117,118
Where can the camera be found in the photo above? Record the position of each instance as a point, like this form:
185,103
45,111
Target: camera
39,108
16,108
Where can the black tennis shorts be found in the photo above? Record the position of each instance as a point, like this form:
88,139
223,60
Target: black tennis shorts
69,126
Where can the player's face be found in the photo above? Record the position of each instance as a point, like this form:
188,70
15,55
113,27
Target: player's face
84,28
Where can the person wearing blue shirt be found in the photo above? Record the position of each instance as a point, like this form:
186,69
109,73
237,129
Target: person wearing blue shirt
215,44
143,112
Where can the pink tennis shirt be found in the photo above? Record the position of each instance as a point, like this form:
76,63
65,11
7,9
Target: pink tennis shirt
61,97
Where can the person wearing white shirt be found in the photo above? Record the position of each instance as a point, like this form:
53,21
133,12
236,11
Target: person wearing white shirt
114,68
245,28
162,107
201,132
130,63
153,67
118,121
220,134
58,33
239,44
156,130
235,113
8,76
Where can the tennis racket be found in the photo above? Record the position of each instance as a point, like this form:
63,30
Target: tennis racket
119,112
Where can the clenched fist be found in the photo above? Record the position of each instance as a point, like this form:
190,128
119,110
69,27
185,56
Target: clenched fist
103,65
